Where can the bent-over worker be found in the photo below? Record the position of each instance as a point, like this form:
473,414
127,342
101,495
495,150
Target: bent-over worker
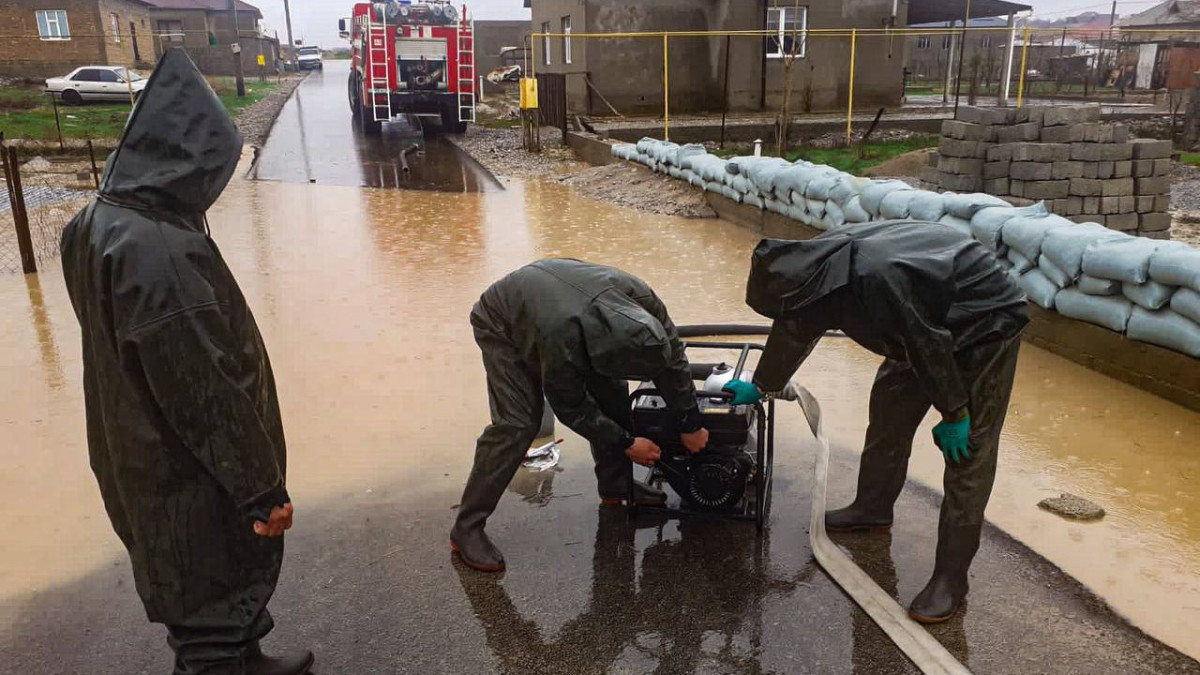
574,332
947,318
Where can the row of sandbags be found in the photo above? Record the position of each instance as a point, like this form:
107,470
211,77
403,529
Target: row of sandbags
1147,289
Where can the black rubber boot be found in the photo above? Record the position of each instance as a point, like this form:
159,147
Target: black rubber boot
643,495
613,473
467,538
295,662
855,518
948,586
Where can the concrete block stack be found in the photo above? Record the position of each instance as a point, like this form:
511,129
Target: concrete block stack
1081,168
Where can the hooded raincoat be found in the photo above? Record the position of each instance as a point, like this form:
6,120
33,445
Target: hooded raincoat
183,423
945,315
575,332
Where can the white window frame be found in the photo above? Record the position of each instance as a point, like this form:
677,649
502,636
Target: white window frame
546,44
924,42
783,32
56,17
566,29
115,21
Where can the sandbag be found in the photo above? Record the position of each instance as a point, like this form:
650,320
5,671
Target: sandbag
855,213
732,193
873,194
1025,233
1186,301
688,151
895,205
821,186
1096,286
1150,295
668,153
1053,272
797,213
966,206
816,208
1110,312
763,173
1064,246
986,224
834,215
848,188
927,206
794,178
713,186
1176,266
674,172
742,185
1020,264
959,224
775,206
697,180
644,144
1040,290
1165,329
1126,259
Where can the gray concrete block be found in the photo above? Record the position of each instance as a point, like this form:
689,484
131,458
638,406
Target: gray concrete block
1128,204
1146,148
1046,189
1082,218
1059,115
965,131
1086,187
992,170
931,174
1160,234
961,183
1017,201
1016,188
1018,133
996,186
1094,132
1155,185
1143,168
1031,171
1029,114
1115,152
999,153
1162,167
1162,203
1117,187
1066,170
1091,205
1062,134
1089,170
1104,170
1040,152
1124,222
1123,169
952,147
961,165
1085,152
1071,206
1120,133
1152,222
1110,205
1145,204
973,115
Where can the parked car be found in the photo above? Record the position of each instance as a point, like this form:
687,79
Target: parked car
309,58
96,83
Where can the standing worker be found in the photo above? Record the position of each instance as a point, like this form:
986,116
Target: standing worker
948,320
183,423
576,332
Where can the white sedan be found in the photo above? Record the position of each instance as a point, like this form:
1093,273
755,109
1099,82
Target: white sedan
96,83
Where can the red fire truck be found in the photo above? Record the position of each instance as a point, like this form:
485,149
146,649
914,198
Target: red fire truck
411,57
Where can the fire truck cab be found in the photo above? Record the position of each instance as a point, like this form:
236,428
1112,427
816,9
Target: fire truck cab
411,57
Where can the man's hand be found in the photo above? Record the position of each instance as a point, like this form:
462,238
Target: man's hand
695,441
643,451
952,437
744,393
281,519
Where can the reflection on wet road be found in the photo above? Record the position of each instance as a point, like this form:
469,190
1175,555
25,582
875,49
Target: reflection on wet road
362,297
315,140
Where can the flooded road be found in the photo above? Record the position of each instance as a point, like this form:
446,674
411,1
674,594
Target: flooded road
362,298
315,140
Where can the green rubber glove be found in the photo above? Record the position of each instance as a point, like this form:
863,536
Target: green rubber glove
952,438
744,393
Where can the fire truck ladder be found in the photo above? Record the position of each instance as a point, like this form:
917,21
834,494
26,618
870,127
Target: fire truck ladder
379,63
466,68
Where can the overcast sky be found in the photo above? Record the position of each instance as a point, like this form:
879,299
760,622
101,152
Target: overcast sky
315,21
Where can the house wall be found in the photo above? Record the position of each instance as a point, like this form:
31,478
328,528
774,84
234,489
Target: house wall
552,12
491,36
133,43
27,55
216,59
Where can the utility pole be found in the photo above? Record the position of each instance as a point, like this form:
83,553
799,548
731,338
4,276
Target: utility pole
962,56
236,47
287,15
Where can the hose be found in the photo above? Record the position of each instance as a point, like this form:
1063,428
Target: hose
728,329
918,645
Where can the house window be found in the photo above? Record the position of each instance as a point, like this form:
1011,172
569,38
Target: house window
115,22
546,42
987,42
52,24
171,31
790,25
566,29
947,41
924,42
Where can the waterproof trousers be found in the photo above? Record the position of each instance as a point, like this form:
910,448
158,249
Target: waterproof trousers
515,400
212,649
898,405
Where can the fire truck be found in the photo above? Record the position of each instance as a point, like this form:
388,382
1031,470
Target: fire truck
411,57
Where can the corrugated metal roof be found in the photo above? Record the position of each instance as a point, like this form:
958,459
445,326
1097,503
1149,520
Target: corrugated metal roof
941,11
207,5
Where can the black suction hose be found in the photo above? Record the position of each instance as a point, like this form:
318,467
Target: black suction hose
727,329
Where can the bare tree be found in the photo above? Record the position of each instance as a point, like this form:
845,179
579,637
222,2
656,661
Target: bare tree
791,50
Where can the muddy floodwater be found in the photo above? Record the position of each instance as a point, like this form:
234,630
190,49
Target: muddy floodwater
363,295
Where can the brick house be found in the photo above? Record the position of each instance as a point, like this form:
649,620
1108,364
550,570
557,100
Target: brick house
53,37
205,30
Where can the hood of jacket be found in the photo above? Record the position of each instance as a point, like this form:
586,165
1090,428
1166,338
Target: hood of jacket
179,148
786,276
623,340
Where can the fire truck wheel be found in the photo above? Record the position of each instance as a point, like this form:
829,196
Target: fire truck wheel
352,96
370,125
450,123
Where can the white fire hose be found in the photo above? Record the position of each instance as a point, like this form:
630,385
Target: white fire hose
918,645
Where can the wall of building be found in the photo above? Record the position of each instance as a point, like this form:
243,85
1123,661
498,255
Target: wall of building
132,44
551,13
491,36
27,55
216,59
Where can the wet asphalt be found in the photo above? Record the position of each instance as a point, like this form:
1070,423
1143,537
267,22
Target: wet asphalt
369,583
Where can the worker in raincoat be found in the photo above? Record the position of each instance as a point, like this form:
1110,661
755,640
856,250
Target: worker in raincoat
576,333
183,424
948,321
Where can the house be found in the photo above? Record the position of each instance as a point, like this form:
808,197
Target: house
491,37
45,38
929,56
628,72
1168,49
205,30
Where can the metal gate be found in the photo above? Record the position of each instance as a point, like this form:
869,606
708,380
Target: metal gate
552,100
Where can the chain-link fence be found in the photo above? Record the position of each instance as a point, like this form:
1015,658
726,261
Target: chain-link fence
49,195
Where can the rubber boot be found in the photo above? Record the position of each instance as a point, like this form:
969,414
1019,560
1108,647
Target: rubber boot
857,518
613,473
468,538
948,586
296,662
